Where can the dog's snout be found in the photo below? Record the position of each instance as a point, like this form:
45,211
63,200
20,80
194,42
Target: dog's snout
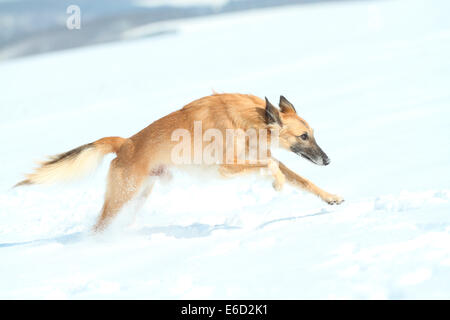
326,161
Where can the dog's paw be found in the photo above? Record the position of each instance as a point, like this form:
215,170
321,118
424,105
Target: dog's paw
332,199
278,184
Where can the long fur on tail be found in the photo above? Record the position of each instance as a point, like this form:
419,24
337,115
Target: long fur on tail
74,163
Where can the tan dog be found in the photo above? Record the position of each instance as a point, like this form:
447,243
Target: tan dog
149,153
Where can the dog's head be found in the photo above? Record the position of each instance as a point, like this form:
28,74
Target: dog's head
294,133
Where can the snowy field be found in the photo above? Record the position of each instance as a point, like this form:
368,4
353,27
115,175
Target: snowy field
372,78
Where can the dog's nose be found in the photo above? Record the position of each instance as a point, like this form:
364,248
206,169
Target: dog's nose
326,161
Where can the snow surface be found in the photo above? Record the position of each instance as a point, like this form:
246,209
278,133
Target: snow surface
372,78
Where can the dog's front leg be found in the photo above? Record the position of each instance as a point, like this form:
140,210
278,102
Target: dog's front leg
303,183
270,164
277,174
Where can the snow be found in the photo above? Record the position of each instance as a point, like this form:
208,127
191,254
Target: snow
370,77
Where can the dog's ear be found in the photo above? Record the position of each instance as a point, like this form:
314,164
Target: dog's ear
272,115
286,106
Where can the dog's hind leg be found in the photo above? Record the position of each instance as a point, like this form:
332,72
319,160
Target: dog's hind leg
123,184
146,189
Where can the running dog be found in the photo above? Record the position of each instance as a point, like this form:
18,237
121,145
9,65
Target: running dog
149,154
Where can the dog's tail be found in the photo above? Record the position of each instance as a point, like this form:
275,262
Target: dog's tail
74,163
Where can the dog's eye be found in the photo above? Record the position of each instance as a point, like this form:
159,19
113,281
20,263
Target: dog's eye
304,136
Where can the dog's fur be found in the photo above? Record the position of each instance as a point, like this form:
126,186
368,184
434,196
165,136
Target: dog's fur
148,153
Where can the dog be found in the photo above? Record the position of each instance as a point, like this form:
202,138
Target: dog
149,154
